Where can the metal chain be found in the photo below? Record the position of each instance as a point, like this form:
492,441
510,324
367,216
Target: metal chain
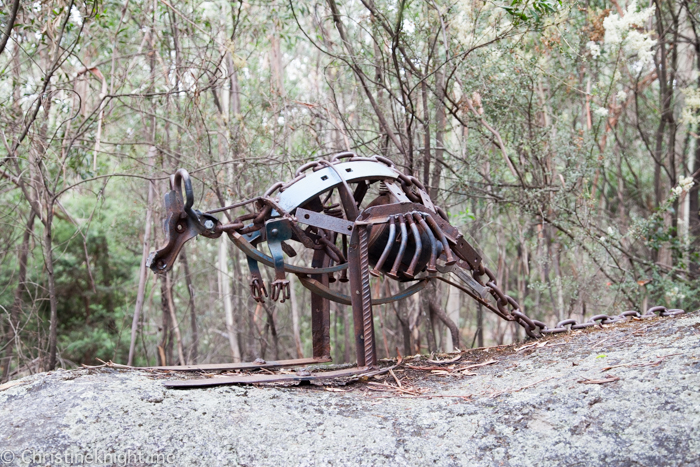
537,329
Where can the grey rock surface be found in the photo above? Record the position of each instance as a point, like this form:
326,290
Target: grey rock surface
530,408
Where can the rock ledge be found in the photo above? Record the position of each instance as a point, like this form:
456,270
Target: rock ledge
530,408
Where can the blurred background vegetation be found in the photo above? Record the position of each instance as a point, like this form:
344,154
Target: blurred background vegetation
562,137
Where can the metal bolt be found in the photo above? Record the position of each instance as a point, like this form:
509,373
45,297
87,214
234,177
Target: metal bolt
180,228
274,232
208,224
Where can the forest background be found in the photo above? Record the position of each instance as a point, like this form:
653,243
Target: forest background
562,137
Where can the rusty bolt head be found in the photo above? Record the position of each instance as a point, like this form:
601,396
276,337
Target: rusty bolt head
208,224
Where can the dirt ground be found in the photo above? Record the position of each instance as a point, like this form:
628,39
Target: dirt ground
625,394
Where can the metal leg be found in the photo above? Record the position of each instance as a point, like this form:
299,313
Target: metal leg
358,269
394,273
320,311
419,245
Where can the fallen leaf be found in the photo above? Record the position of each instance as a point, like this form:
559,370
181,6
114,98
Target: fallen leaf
440,372
336,390
466,373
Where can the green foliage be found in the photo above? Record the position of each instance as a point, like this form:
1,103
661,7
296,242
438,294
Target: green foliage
94,274
530,11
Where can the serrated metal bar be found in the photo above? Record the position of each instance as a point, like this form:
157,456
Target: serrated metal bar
358,268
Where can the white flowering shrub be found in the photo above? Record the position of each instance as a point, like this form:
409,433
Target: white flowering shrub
621,31
691,110
594,49
674,294
684,185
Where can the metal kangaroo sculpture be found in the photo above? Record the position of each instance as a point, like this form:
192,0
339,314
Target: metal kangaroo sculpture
400,233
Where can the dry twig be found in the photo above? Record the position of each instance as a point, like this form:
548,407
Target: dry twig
445,362
498,394
654,363
391,372
477,365
610,379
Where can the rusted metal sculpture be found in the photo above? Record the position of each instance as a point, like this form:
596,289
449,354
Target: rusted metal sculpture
399,233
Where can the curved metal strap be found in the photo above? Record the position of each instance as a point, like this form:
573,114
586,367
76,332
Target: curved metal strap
253,252
315,183
325,292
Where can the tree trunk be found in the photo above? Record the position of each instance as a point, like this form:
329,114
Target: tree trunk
480,325
175,326
272,327
694,202
9,25
225,287
439,135
13,329
426,296
48,262
377,289
277,78
426,140
453,306
142,269
694,208
193,311
435,310
347,346
402,316
166,344
560,287
295,315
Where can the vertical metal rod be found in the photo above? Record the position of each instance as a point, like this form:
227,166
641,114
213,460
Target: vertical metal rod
360,297
367,316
